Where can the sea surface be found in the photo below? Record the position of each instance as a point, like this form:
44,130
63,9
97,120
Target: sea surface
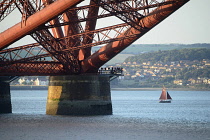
136,115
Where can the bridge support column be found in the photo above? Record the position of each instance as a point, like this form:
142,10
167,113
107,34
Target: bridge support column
5,98
79,95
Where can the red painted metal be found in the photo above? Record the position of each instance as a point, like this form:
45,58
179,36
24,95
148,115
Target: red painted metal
110,50
35,68
72,29
6,7
18,31
90,26
66,32
57,31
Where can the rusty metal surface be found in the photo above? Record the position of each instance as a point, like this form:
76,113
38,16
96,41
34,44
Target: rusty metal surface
112,49
33,68
6,7
90,26
66,31
34,21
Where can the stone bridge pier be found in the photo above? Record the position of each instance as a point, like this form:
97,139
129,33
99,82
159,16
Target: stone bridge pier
79,95
5,97
87,94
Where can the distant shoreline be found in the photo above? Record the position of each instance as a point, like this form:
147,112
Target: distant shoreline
32,87
158,89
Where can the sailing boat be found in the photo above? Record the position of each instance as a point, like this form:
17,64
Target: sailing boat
165,97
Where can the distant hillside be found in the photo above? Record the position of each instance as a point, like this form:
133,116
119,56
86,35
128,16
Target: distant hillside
171,55
142,48
120,58
135,49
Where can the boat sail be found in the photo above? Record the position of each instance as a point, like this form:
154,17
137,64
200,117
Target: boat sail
165,97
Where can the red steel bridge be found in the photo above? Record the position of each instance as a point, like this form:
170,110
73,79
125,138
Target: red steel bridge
65,31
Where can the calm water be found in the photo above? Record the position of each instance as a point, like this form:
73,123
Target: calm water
186,105
136,115
193,106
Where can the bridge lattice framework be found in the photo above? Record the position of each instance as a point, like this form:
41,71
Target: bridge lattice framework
66,30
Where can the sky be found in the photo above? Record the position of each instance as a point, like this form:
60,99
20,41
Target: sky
188,25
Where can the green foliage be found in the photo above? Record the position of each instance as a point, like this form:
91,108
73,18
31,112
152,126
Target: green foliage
171,55
193,73
139,48
186,71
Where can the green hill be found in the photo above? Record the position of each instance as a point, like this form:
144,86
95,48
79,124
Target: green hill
171,55
136,49
142,48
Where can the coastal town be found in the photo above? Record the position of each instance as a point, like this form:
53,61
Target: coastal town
184,68
172,74
135,75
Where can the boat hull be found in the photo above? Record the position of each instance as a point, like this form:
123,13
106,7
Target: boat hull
164,101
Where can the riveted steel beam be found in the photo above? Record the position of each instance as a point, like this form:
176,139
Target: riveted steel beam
110,50
90,26
34,21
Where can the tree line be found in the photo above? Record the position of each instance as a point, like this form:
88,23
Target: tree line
171,55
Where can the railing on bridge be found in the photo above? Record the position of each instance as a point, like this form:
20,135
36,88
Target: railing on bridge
112,72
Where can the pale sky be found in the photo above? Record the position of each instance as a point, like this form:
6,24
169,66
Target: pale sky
190,24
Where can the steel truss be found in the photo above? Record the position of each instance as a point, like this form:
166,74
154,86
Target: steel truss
64,43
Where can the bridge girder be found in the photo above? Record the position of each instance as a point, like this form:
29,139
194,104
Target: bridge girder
69,47
110,50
